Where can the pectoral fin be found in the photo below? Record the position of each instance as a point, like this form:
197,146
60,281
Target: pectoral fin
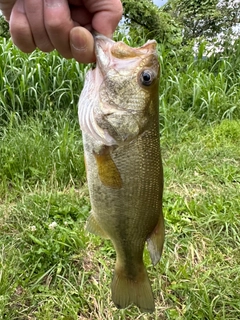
93,227
155,241
107,171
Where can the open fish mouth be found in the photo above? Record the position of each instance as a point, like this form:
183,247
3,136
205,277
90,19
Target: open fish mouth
111,54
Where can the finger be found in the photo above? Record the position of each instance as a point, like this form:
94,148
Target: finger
81,15
6,8
34,12
19,28
58,24
107,15
82,45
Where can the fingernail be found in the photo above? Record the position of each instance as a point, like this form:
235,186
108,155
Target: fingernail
54,3
79,48
78,42
20,6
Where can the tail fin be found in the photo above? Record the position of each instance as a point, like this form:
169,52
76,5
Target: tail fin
138,291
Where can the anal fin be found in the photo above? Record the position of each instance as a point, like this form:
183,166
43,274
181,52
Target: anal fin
92,226
156,240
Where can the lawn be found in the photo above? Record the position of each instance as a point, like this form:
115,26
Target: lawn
50,267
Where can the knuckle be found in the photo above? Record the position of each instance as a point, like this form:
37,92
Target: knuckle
22,38
55,25
45,47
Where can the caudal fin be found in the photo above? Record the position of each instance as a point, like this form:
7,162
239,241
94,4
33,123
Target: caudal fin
138,291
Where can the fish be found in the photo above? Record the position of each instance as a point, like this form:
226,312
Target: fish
118,114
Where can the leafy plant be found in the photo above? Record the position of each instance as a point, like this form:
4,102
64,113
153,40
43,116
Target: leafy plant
145,17
4,28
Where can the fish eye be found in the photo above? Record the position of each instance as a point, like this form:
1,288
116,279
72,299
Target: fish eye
146,77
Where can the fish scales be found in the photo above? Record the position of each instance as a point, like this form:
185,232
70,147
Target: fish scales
119,119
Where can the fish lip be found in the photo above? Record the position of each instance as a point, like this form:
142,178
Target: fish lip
103,54
105,41
98,36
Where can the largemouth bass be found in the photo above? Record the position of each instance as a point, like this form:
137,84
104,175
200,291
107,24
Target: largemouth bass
119,119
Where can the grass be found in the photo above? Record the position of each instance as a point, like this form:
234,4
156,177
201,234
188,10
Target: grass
46,150
50,267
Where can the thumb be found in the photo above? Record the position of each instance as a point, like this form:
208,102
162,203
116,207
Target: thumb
82,45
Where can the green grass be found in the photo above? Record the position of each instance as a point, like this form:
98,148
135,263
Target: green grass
50,267
46,149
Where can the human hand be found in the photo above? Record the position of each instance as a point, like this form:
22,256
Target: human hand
64,25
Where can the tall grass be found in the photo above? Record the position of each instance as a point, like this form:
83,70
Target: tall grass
193,89
39,131
37,82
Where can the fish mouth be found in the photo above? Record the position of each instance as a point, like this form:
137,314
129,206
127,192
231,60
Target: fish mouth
111,54
100,37
120,49
103,53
